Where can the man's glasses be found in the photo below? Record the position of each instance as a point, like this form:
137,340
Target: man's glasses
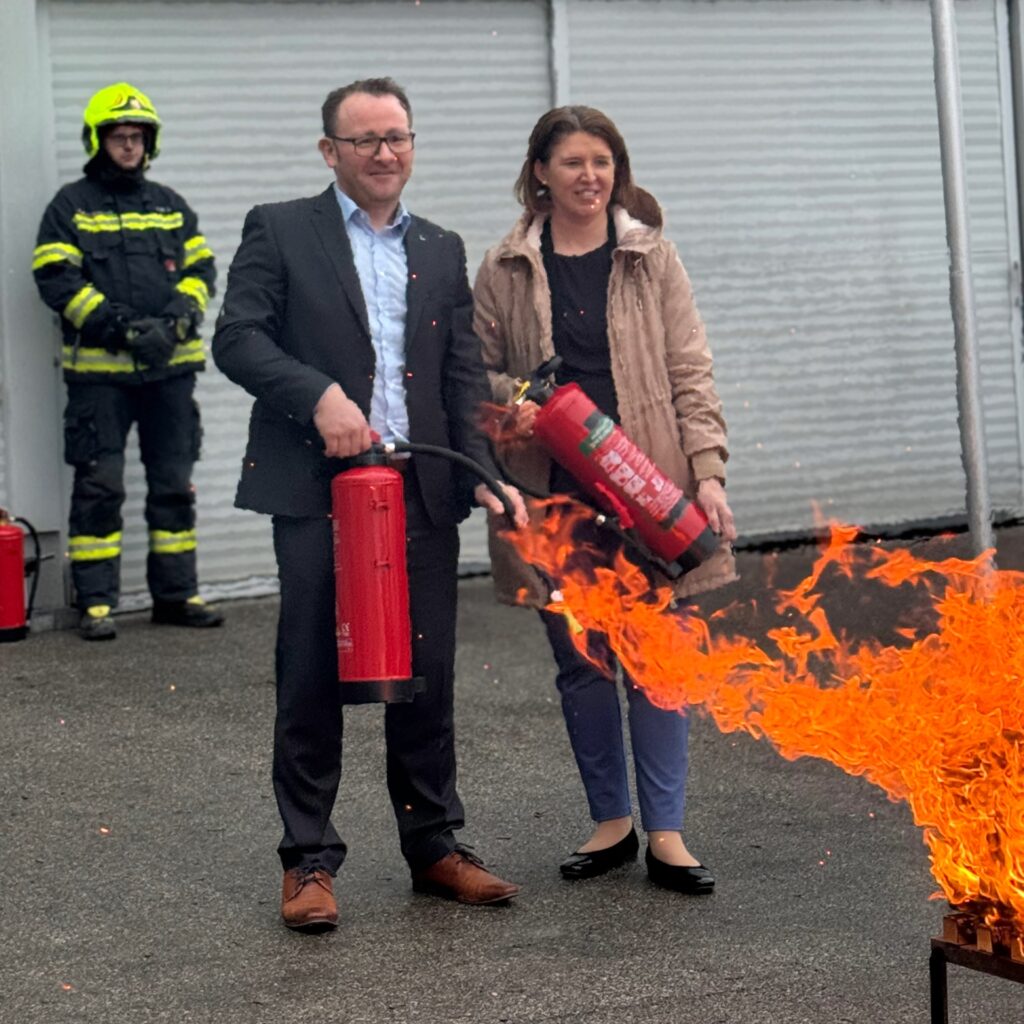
127,138
369,145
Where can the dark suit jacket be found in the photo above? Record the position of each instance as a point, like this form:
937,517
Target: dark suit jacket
294,321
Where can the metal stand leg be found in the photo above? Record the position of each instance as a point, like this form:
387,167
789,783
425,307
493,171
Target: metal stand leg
937,978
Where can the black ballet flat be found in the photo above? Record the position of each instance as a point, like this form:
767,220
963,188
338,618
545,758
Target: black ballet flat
693,881
598,862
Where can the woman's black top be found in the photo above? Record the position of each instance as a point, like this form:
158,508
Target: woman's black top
579,322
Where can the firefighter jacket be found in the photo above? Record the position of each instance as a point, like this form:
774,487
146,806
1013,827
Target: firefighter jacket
104,258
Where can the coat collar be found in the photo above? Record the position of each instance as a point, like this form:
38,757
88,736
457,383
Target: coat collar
524,238
330,227
420,264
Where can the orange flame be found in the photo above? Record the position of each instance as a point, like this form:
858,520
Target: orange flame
501,424
935,718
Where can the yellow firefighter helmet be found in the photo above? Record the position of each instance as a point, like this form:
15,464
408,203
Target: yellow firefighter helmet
119,104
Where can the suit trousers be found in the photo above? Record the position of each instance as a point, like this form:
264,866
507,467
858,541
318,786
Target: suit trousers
309,726
659,738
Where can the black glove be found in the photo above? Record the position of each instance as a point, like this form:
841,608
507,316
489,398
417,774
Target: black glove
107,328
185,314
151,341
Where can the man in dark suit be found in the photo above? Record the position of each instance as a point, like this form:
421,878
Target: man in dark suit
344,313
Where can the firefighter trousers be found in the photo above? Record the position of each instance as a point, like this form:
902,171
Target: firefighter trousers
97,420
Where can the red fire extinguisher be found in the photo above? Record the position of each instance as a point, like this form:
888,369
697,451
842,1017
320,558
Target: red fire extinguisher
373,627
671,531
371,583
14,616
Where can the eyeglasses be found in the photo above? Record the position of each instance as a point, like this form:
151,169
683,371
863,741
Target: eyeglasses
127,138
369,145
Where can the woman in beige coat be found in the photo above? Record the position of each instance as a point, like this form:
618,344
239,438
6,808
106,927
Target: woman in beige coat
587,274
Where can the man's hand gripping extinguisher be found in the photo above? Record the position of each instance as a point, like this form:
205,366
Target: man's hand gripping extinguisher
14,568
643,505
374,632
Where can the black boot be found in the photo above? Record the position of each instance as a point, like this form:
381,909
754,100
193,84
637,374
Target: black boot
194,612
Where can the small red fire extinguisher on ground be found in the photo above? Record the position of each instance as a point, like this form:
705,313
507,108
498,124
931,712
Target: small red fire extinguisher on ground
14,616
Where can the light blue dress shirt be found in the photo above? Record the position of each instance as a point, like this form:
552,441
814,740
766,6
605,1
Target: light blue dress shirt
383,276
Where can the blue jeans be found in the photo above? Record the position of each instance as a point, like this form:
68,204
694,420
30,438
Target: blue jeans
590,703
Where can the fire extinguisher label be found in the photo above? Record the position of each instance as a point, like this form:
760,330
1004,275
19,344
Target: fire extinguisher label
636,476
599,428
345,637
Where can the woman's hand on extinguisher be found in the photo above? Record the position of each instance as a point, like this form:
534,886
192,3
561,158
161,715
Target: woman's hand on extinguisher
526,414
711,499
341,424
486,498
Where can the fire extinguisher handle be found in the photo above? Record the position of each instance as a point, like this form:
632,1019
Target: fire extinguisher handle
540,385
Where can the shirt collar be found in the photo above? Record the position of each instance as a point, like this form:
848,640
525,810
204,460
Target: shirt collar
351,212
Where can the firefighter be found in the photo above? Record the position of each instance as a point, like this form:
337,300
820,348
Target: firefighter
121,259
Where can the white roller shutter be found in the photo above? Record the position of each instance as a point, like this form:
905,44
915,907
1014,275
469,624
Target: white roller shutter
794,144
239,88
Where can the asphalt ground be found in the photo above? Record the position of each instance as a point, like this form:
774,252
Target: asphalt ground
140,882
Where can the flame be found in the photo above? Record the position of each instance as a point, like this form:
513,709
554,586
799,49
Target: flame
935,717
501,423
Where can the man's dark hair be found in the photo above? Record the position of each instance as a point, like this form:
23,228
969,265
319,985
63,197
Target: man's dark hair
372,87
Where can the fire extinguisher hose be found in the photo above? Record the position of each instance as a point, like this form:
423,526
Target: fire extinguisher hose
36,564
493,484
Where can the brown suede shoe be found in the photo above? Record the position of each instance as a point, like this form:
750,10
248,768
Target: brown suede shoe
307,900
462,876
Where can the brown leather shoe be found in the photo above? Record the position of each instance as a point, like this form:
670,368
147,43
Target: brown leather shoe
462,876
307,900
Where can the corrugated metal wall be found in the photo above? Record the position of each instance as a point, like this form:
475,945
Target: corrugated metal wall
793,142
239,87
795,146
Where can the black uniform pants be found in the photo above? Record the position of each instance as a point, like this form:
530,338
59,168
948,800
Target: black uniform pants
96,424
419,736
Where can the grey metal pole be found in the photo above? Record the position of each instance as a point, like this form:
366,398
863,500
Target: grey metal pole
961,289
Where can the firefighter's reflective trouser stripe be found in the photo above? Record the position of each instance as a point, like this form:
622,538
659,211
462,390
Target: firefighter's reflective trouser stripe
96,425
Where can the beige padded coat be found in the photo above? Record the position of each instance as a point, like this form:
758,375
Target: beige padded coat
661,366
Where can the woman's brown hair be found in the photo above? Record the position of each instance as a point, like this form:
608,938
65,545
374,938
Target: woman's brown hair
554,126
